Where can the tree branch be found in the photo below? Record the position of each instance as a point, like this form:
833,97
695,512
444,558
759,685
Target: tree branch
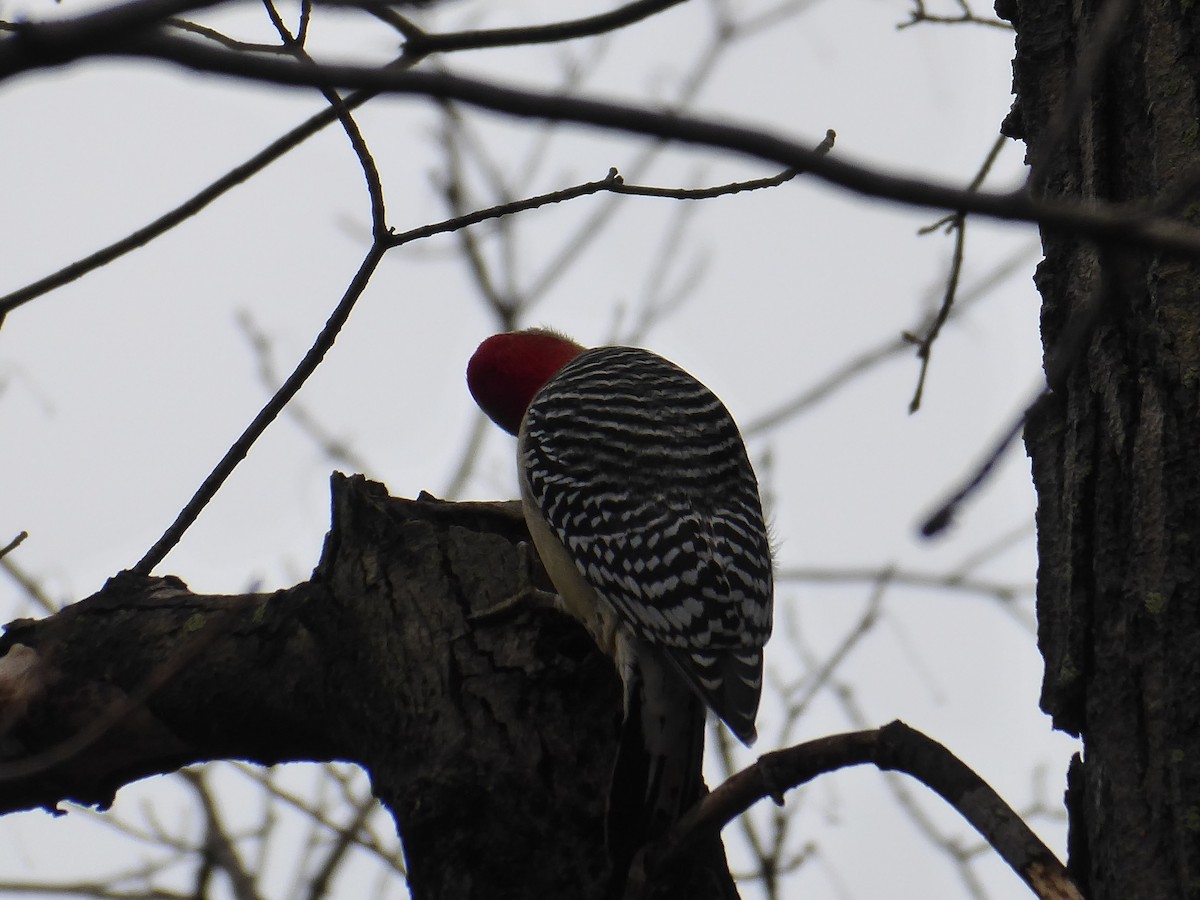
421,43
894,747
1135,224
482,740
290,387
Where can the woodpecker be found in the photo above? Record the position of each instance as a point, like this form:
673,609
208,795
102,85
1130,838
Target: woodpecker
645,511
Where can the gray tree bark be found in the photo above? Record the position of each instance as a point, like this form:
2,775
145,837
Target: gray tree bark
1116,448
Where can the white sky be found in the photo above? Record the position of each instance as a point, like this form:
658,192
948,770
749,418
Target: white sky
119,393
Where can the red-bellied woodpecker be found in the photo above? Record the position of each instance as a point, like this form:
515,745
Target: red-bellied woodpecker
645,511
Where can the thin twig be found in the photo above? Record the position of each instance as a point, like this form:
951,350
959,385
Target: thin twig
953,581
224,40
31,588
958,224
866,360
504,209
337,450
183,211
502,303
799,696
920,16
421,43
724,190
237,452
1105,299
13,544
338,104
925,344
944,514
346,836
219,845
838,378
991,549
261,778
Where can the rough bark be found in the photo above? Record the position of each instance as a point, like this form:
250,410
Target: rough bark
1116,452
491,743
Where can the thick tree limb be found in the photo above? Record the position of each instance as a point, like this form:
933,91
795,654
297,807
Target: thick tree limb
491,745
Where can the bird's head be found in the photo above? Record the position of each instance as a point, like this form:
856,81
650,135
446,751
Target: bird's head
507,370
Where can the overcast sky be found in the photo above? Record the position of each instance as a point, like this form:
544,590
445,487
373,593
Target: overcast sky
119,392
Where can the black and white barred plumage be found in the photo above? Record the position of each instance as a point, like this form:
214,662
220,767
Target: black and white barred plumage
640,472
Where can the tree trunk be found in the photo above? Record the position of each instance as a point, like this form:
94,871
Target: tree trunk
1116,450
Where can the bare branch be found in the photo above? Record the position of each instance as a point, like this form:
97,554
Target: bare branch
27,584
505,209
335,100
1104,300
1134,224
181,213
991,549
13,544
920,15
801,694
368,842
868,359
944,514
723,190
219,846
894,747
223,39
950,581
418,42
346,837
62,41
958,225
237,452
338,451
839,377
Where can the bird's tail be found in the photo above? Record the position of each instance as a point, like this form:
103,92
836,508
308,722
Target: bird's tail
657,775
